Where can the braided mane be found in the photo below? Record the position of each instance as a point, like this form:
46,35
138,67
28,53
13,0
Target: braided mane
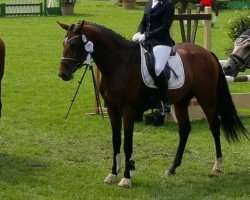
116,36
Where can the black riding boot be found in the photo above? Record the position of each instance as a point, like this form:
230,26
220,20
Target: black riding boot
162,84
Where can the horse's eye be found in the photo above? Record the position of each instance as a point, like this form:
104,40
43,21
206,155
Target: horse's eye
229,67
72,45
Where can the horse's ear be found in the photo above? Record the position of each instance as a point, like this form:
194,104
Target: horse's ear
79,27
64,26
243,25
82,24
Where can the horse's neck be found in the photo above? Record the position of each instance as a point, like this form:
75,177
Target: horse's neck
108,48
113,59
116,58
105,39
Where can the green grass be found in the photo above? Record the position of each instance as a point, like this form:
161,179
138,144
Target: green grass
44,156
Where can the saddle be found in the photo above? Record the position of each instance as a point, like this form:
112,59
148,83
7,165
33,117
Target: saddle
150,62
174,67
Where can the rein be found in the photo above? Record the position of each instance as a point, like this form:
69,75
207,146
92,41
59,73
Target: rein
109,56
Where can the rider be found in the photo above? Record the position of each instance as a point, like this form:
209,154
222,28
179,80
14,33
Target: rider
154,30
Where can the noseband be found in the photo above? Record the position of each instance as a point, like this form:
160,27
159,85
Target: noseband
72,61
241,63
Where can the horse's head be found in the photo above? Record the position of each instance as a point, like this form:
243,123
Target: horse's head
76,47
239,59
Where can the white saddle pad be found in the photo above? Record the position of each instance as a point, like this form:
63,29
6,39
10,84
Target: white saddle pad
174,62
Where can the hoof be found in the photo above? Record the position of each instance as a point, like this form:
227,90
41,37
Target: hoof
217,170
111,179
169,173
125,183
217,166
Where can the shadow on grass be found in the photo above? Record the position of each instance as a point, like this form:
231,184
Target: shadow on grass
16,169
231,185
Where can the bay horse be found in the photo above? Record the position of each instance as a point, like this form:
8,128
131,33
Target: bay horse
2,60
125,93
239,59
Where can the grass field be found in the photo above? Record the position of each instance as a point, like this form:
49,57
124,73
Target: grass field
44,156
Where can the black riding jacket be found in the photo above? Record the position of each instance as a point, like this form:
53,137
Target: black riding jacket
156,23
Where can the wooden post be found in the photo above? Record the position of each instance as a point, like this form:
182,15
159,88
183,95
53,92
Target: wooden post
198,9
97,78
207,30
189,26
183,35
194,17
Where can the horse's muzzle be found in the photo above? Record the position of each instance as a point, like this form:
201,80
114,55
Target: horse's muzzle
230,69
64,76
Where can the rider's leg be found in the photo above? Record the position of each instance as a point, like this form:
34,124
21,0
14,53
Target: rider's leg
161,53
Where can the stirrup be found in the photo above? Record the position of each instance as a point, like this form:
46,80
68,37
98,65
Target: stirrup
165,108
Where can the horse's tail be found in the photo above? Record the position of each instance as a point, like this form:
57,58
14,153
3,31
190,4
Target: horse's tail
2,59
231,124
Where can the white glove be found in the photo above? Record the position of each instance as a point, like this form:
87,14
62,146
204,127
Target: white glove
136,36
142,38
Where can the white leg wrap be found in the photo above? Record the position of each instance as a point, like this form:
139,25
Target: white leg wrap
167,173
217,165
130,173
111,179
125,182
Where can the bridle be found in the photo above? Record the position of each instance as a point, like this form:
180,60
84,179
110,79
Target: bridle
241,63
85,45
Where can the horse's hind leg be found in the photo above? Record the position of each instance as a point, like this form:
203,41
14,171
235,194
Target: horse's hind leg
209,109
115,119
181,111
215,129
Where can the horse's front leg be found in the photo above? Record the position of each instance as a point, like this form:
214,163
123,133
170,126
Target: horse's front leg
115,120
128,121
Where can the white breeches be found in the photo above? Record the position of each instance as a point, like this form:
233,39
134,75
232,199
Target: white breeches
161,54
